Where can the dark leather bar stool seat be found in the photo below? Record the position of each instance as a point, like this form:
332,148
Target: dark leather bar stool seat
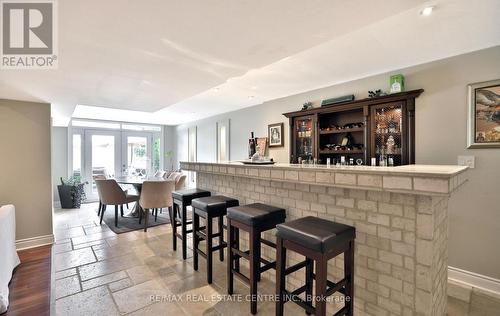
319,240
209,208
182,199
254,219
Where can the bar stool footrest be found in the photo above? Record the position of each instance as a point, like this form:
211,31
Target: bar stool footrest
297,300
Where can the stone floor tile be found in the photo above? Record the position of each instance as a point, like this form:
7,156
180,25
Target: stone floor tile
61,247
140,274
90,244
101,268
138,296
160,309
67,286
65,273
69,233
75,258
120,285
106,252
97,301
93,237
105,279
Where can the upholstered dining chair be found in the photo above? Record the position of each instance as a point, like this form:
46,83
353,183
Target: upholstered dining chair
155,195
180,181
171,175
159,174
99,177
110,193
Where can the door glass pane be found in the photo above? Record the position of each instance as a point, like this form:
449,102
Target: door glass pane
388,138
137,159
103,156
304,138
77,155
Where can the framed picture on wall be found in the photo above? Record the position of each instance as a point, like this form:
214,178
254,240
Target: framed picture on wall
484,115
275,134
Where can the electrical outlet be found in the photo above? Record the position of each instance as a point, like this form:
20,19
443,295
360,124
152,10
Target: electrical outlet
468,161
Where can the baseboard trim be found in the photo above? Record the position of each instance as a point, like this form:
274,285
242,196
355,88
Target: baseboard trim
33,242
475,280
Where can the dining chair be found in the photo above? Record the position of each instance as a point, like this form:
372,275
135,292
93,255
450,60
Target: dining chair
110,193
172,175
99,177
155,195
180,182
159,174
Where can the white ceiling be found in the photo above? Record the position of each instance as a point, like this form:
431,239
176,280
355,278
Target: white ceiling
158,61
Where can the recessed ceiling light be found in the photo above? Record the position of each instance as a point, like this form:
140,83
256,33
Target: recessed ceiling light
216,89
251,97
427,11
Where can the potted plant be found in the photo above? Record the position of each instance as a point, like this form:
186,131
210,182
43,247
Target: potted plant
72,192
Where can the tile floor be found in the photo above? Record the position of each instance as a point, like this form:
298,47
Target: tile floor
100,273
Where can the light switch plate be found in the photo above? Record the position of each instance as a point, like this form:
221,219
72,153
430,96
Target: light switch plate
468,161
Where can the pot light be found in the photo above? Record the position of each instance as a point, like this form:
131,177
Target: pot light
251,97
216,89
427,11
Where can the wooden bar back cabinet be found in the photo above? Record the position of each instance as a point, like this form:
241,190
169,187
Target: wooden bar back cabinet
382,128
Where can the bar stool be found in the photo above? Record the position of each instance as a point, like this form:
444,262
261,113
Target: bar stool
182,199
254,219
209,208
319,240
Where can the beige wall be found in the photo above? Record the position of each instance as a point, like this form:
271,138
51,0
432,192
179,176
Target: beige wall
25,179
441,125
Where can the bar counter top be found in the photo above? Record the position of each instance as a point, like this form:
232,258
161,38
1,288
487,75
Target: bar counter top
428,179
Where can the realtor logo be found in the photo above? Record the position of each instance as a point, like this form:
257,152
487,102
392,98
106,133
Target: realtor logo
28,34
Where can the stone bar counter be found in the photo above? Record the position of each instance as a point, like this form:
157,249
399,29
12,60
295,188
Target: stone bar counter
400,215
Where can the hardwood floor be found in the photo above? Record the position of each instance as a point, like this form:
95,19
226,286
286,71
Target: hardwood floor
30,285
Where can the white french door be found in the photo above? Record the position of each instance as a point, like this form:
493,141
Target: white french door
113,149
136,153
102,156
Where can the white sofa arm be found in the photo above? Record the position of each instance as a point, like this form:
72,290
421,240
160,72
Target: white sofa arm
8,254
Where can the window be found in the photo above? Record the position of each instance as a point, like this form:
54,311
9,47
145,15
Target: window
94,124
141,128
223,140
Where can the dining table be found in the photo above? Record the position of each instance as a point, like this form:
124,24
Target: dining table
136,182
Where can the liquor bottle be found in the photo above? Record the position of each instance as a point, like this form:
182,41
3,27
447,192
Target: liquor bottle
251,146
382,157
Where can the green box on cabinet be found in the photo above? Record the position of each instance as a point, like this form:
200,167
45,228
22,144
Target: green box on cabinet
397,83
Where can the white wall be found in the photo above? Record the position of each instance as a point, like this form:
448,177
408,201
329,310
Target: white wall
59,158
169,139
441,126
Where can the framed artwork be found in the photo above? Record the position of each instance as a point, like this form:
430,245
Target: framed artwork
275,134
484,115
